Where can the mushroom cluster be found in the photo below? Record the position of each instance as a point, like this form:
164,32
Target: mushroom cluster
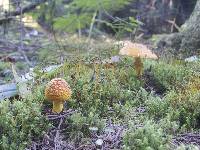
137,51
57,91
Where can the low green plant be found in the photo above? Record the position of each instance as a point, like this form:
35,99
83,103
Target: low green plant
187,147
96,88
112,91
188,108
79,126
157,107
101,91
148,137
20,122
168,125
172,75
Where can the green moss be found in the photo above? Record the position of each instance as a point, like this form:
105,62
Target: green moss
20,124
150,137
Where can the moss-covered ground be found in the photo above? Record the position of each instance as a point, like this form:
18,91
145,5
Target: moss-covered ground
110,107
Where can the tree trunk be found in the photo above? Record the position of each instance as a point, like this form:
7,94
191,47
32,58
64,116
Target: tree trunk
187,40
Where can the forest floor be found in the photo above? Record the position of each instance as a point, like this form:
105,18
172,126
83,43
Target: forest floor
110,107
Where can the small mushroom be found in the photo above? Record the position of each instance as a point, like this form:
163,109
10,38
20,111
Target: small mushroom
57,91
137,51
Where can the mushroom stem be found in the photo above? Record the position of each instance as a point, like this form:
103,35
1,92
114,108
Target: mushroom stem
57,107
138,66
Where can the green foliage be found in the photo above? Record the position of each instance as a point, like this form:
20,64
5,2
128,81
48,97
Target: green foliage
169,127
171,75
157,107
20,121
103,92
124,25
100,92
148,137
93,5
187,109
181,102
87,7
72,22
79,126
187,147
78,15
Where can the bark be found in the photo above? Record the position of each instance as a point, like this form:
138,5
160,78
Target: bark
187,40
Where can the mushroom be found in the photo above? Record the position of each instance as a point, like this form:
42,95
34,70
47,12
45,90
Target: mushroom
137,51
57,91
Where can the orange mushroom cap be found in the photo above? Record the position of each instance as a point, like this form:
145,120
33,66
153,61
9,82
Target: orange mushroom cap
58,90
137,50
